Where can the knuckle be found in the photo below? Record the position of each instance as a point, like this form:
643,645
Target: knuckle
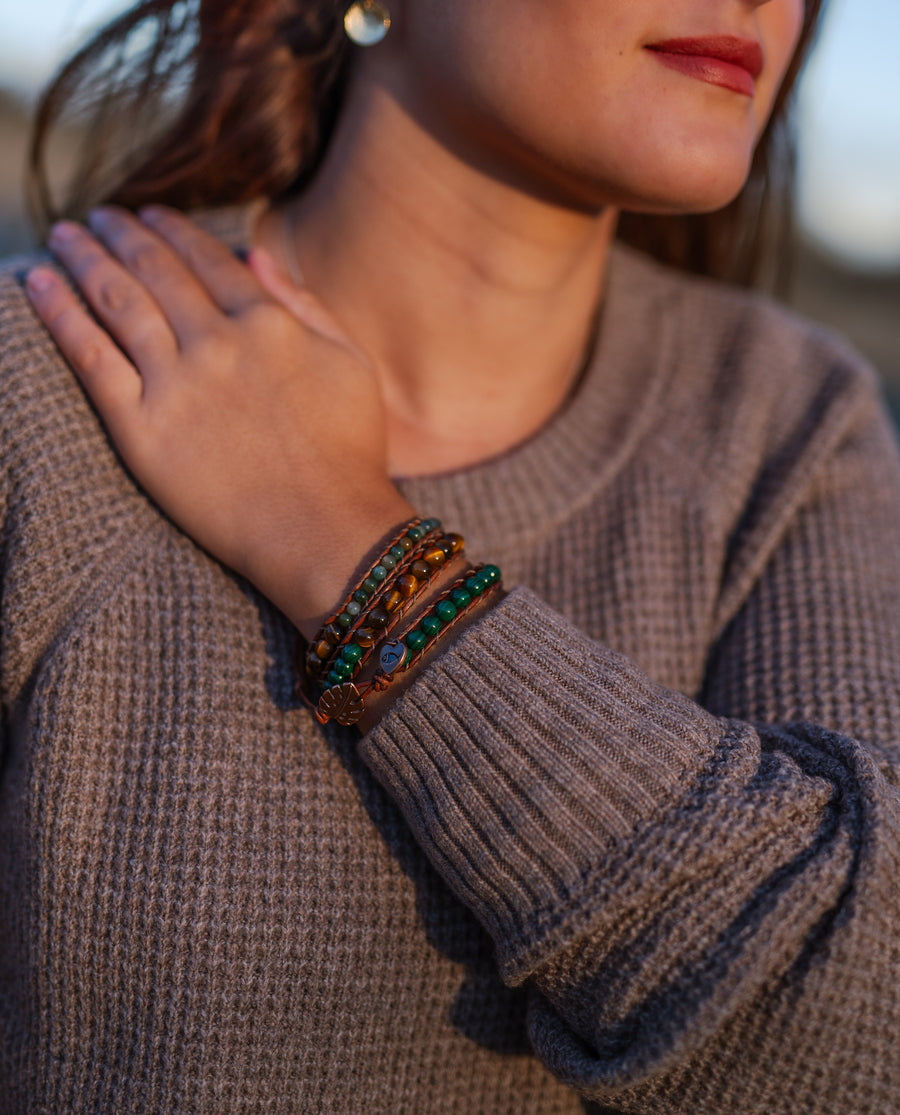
113,297
145,260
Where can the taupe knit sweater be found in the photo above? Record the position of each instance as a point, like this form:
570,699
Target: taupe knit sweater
633,840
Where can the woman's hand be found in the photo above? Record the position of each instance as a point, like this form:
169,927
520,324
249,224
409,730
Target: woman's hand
235,399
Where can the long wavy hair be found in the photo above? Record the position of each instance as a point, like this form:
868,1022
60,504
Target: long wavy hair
200,103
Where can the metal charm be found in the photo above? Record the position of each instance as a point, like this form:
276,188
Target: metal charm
366,22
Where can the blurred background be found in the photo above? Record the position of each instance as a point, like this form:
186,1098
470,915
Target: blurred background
848,190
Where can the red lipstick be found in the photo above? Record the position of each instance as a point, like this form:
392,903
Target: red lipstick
723,60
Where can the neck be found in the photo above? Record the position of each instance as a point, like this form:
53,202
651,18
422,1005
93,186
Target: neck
474,299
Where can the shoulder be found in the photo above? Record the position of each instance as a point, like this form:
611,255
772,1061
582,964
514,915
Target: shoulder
749,382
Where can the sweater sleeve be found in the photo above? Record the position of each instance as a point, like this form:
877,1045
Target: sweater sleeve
700,894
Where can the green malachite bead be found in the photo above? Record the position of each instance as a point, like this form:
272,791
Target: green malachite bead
351,654
416,639
405,544
342,669
493,574
415,533
421,570
369,585
475,585
430,625
445,611
361,596
461,598
344,620
333,679
397,552
388,562
378,573
353,609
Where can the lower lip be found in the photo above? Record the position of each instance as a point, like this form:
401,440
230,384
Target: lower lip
714,71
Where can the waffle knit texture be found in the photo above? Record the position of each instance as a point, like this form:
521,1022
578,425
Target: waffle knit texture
631,842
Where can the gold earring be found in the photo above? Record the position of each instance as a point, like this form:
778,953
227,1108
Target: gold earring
366,22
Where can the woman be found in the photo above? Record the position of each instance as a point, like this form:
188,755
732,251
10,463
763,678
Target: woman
627,835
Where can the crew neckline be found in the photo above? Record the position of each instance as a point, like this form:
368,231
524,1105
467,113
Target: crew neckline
538,483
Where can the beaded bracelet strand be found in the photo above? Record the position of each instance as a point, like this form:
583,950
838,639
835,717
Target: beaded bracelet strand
370,623
380,622
332,633
344,702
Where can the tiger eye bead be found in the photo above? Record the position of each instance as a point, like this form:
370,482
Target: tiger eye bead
313,661
420,570
378,618
445,547
407,586
435,556
456,541
333,634
323,649
392,600
366,637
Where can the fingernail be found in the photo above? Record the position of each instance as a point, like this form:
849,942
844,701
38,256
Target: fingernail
98,218
63,231
150,214
40,280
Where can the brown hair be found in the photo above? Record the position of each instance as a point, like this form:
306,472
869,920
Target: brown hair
198,103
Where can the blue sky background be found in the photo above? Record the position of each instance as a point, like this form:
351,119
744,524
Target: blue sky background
849,112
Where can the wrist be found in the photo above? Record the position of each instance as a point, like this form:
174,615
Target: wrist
307,574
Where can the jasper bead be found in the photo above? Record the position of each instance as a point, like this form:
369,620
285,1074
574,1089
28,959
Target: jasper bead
353,609
362,597
445,611
388,562
416,534
344,620
416,639
430,524
378,574
420,570
397,552
369,585
431,625
405,544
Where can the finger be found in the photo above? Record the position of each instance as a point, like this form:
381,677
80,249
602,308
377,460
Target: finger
299,301
151,261
111,381
227,280
119,301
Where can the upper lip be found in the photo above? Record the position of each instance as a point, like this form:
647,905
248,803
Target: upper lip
745,53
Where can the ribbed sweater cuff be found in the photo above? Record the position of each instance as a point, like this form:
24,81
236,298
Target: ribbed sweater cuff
527,754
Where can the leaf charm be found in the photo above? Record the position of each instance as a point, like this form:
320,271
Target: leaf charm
341,703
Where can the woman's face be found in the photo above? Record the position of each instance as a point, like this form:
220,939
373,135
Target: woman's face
651,105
